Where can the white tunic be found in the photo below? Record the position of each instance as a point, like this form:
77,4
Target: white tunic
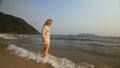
46,34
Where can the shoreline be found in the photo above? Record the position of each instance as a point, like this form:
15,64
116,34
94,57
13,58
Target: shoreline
10,60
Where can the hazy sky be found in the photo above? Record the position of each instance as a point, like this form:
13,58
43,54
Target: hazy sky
101,17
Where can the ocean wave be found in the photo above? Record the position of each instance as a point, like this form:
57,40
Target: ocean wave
6,36
52,60
97,45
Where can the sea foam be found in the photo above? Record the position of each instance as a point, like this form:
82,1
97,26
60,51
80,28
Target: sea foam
52,60
7,36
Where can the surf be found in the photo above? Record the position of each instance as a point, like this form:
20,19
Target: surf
55,62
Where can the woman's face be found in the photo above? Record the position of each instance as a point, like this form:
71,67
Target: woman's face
50,23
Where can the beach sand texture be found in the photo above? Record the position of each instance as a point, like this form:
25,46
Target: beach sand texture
10,60
68,55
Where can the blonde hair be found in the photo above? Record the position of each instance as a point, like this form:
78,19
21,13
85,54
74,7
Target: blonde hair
48,22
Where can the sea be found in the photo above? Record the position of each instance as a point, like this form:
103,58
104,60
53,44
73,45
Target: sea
67,51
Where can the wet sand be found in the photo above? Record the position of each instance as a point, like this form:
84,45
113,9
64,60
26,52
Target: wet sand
10,60
99,61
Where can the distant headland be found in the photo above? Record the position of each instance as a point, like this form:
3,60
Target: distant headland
15,25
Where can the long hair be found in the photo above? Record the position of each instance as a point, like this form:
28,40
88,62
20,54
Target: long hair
48,22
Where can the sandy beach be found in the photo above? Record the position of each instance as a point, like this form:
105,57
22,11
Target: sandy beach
24,53
10,60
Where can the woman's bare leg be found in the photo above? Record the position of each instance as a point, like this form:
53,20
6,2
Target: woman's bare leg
47,46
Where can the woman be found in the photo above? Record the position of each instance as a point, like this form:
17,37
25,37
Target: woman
46,35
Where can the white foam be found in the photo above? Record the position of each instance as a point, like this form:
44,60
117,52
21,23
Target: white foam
53,61
6,36
23,35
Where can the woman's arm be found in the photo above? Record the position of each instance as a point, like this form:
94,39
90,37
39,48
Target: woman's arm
44,34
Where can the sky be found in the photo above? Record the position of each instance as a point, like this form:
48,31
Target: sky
101,17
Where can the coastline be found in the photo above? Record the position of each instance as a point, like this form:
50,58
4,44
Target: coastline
10,60
79,57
